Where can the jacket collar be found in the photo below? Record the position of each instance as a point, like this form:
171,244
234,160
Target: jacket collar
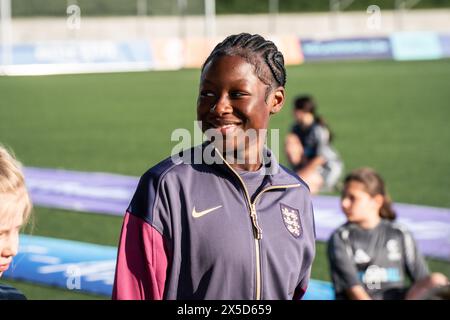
276,174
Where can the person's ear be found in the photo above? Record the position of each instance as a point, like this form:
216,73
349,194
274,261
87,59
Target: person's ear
277,101
379,200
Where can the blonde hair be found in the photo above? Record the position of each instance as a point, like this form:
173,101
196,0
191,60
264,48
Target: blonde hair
14,197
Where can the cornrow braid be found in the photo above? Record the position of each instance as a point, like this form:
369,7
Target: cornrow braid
261,53
275,61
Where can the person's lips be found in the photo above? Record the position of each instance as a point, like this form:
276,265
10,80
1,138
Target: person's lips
4,267
227,128
224,127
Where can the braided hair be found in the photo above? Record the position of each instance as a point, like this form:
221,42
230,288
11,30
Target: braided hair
259,52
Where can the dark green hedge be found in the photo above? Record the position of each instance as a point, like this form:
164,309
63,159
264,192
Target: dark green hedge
168,7
231,6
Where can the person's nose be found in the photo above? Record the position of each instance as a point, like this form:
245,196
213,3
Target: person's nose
222,106
11,246
345,203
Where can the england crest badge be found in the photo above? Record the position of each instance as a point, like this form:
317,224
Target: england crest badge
291,219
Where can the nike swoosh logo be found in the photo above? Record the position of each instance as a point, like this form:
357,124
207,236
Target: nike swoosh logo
199,214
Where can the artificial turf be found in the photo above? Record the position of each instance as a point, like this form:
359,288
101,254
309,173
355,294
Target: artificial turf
388,115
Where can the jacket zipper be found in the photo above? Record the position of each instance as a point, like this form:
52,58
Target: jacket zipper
257,231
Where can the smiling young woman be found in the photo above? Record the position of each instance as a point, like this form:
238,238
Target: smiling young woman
227,229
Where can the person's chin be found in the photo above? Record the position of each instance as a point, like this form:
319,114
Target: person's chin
224,145
229,151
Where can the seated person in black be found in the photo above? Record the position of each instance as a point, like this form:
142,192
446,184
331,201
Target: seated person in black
371,255
308,148
15,209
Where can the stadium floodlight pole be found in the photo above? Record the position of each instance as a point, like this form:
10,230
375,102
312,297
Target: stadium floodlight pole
336,6
141,7
273,12
333,20
401,6
6,32
182,6
210,18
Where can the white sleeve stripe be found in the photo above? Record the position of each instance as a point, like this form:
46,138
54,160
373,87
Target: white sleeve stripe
409,244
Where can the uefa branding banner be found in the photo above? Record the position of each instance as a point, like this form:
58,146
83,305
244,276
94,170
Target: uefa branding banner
111,194
76,57
346,49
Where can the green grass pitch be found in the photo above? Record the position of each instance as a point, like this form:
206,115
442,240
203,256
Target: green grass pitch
392,116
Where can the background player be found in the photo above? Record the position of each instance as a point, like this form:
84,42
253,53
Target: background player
308,148
371,255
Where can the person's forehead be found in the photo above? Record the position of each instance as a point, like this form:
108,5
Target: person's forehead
242,81
232,64
10,220
355,186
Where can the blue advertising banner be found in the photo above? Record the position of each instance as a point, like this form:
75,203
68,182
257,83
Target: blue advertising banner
416,46
346,49
86,267
66,264
76,57
81,52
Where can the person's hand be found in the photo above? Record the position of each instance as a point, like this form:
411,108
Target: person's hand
294,149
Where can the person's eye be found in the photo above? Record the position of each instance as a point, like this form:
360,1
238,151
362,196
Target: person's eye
206,94
238,94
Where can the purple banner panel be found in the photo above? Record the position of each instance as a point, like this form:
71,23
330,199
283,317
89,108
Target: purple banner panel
80,191
445,44
111,194
430,226
343,49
